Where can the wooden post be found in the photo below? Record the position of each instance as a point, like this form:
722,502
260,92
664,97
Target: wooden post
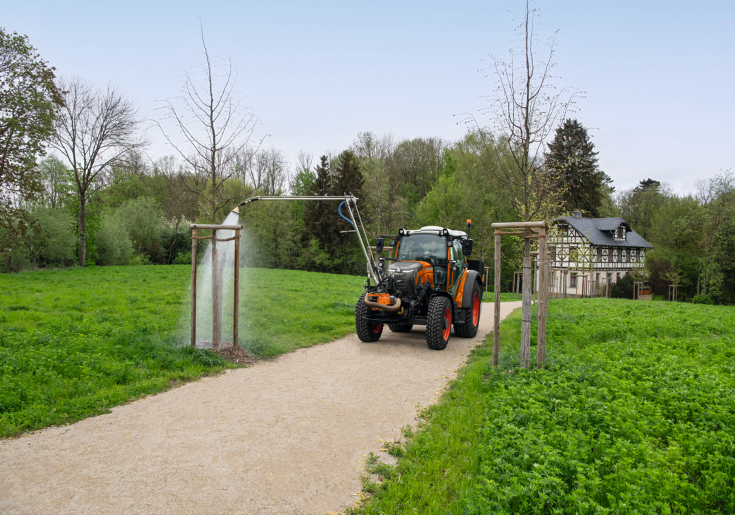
496,328
216,311
236,314
543,300
526,314
193,287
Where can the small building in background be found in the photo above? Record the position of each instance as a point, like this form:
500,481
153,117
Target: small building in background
590,254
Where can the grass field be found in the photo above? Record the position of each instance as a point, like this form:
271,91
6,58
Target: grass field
74,343
635,413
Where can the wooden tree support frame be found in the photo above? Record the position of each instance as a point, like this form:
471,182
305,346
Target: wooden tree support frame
216,286
534,230
673,292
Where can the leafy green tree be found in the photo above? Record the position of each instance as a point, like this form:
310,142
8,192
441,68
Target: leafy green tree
572,159
638,206
319,215
29,99
57,182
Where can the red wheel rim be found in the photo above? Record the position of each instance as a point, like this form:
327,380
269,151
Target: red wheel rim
475,309
447,323
377,328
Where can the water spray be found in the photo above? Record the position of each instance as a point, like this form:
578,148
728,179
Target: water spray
374,271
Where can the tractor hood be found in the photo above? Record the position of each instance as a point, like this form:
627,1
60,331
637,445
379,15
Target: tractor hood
404,274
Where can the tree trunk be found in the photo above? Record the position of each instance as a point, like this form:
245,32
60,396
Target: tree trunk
82,229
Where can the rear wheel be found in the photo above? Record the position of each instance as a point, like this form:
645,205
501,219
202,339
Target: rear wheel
469,328
400,328
438,323
367,331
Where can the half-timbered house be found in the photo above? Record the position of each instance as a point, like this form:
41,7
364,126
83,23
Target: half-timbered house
589,254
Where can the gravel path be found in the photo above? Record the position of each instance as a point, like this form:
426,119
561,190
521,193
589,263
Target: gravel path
287,436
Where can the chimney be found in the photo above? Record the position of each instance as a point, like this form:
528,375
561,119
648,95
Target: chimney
577,214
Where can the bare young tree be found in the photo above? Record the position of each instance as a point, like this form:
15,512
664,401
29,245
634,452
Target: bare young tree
215,127
524,112
96,128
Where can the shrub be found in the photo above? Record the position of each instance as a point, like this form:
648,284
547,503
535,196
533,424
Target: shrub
55,242
183,259
702,299
623,288
113,243
143,221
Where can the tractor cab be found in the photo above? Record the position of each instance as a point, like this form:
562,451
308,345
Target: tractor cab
429,281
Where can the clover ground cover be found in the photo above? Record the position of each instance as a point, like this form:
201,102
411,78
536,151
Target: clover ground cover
635,413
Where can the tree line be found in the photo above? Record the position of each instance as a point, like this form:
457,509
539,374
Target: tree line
98,199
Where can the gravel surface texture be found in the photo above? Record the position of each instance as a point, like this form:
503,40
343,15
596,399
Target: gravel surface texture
287,436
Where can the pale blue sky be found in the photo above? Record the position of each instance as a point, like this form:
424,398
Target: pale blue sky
658,76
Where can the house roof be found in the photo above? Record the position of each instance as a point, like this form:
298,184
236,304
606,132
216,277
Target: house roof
601,231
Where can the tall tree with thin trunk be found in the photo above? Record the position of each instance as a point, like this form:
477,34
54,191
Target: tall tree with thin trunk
524,111
215,127
96,128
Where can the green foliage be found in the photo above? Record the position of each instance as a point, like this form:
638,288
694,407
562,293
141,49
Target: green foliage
113,243
143,221
74,343
54,242
633,414
183,259
702,299
623,288
28,104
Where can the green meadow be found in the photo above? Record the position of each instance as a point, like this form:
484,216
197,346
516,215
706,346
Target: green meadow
74,343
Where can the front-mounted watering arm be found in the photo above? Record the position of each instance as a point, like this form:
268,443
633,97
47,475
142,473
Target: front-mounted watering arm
351,202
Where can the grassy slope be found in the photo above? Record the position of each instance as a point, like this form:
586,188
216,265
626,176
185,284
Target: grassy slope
635,414
74,343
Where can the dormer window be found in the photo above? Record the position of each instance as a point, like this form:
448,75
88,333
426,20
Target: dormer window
620,233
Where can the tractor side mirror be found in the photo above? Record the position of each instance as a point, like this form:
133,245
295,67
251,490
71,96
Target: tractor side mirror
394,243
467,247
379,246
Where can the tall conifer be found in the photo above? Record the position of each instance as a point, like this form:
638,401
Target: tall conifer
573,161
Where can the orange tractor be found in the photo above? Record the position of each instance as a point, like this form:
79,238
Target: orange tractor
429,282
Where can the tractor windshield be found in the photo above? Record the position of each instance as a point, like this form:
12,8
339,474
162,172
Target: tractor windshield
423,247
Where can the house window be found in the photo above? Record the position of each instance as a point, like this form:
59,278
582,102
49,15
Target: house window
573,280
620,233
553,254
614,255
599,253
621,255
597,277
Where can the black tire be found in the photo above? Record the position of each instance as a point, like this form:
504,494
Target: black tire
469,328
366,331
438,323
400,328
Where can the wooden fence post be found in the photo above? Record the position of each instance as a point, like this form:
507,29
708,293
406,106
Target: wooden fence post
496,328
194,288
543,300
236,314
526,314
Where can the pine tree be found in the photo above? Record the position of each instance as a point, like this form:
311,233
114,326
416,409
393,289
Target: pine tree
319,216
573,161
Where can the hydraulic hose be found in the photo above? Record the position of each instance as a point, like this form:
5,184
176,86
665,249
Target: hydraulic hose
339,210
394,307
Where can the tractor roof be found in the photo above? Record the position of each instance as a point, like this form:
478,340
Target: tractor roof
435,229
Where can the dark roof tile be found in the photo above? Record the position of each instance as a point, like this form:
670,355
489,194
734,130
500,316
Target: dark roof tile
600,231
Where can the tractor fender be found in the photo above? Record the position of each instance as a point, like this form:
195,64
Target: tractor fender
470,278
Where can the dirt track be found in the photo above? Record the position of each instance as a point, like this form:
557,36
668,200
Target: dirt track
287,436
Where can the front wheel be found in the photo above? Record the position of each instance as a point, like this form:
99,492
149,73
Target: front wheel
366,331
469,328
438,323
